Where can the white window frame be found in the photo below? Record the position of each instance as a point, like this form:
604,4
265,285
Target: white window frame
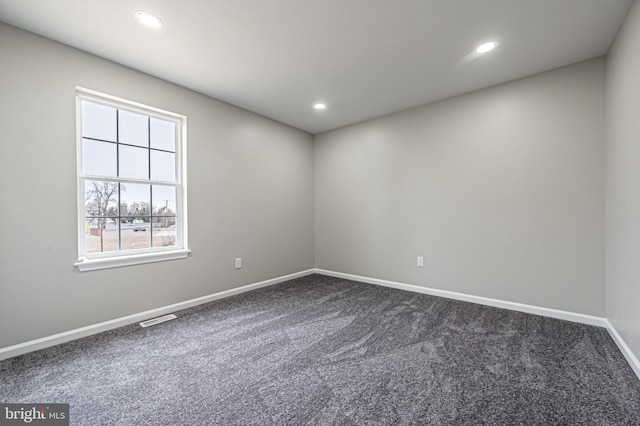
93,261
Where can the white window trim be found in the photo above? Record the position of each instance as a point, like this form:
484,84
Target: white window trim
117,261
95,261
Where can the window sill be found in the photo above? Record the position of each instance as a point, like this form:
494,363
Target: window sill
116,262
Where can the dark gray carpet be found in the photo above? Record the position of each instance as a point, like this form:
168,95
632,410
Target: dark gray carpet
321,350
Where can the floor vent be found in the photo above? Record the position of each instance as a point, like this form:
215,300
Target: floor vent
154,321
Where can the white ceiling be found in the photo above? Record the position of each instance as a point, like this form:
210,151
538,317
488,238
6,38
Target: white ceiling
363,58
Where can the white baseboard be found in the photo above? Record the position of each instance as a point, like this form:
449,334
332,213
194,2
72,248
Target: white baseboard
530,309
633,361
521,307
78,333
56,339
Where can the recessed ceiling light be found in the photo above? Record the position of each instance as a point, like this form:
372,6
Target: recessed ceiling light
486,47
148,19
320,105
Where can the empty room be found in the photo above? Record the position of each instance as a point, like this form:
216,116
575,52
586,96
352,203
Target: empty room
339,212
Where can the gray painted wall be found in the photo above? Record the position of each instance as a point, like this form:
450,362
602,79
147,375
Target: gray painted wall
250,195
623,181
501,190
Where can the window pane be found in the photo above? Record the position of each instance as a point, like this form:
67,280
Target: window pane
164,200
98,121
101,199
134,201
164,231
163,135
99,158
136,235
101,234
134,162
163,166
133,128
125,150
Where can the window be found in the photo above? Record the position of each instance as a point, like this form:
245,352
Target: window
131,183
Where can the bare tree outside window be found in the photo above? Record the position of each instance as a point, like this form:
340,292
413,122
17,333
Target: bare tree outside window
101,202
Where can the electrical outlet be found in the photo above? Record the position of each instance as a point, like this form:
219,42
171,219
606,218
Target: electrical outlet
238,262
420,262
